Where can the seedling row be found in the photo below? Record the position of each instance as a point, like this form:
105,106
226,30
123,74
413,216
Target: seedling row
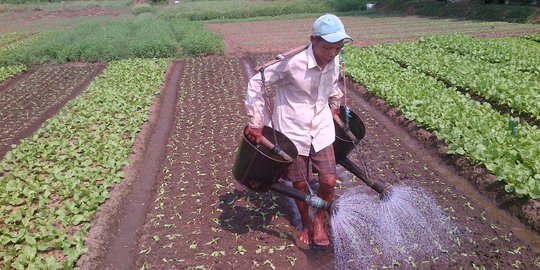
54,181
504,145
505,82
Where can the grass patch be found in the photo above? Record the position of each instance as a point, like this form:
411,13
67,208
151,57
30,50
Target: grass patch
141,8
473,10
142,36
241,9
15,5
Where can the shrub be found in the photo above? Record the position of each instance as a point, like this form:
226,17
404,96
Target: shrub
193,39
143,36
349,5
141,8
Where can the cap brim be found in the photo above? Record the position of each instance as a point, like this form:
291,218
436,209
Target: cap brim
336,37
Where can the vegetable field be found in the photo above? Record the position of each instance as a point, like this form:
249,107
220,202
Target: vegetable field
443,113
54,181
424,80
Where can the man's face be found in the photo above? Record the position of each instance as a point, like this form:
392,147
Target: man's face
324,51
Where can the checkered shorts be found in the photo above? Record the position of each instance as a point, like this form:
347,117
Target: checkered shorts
323,162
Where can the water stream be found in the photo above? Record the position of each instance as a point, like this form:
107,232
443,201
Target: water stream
367,230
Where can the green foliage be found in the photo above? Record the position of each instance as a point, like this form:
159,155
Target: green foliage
511,79
52,183
8,71
193,39
501,143
534,37
235,9
473,10
141,36
141,8
349,5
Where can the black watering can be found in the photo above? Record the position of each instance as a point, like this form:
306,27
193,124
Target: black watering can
259,167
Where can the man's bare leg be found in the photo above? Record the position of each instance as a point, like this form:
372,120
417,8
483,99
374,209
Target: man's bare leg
327,182
303,208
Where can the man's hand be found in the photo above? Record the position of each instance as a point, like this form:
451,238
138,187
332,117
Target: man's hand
335,111
254,134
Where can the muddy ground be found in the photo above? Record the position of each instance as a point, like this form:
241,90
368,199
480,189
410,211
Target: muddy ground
200,217
180,208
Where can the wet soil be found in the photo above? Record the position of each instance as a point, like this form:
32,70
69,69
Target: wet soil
180,208
201,217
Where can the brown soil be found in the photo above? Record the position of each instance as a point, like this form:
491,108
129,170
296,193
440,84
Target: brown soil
281,35
27,100
180,208
37,19
200,217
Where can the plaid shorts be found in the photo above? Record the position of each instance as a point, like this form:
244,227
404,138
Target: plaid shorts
323,162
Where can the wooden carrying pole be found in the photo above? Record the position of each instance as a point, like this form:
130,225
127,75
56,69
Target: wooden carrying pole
345,129
281,56
276,149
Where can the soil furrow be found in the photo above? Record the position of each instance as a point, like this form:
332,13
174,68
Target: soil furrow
113,238
37,95
200,217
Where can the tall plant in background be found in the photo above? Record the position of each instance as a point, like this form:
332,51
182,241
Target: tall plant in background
142,36
242,9
350,5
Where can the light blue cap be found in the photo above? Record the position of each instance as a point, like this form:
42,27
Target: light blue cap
330,28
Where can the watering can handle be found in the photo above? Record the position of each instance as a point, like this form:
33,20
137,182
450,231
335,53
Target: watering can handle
276,149
345,129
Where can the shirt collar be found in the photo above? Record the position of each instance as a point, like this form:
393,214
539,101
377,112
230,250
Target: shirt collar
311,62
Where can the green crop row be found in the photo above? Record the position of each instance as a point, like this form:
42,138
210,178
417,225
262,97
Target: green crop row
7,38
514,53
9,71
534,37
16,40
505,147
501,83
52,183
12,41
142,36
241,9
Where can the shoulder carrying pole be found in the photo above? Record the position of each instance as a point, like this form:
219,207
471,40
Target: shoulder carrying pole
282,56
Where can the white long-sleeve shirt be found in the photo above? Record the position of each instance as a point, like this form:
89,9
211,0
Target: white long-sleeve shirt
303,92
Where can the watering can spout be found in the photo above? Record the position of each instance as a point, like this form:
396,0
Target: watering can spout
311,200
377,186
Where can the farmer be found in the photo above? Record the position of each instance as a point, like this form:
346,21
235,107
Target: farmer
306,96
